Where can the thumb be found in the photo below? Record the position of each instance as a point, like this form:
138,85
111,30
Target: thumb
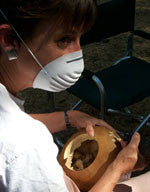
135,140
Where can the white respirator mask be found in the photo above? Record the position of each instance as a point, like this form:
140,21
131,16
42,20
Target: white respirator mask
60,73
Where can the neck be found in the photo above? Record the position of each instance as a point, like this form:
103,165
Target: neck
9,77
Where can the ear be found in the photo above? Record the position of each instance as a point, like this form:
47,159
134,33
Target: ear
7,40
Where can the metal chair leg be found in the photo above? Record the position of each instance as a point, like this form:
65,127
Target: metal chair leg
103,97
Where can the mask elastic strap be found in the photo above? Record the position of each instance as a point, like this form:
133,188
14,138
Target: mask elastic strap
29,50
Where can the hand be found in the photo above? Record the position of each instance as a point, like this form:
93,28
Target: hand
82,120
127,158
140,164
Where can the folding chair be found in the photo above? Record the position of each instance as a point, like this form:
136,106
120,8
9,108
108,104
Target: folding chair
128,80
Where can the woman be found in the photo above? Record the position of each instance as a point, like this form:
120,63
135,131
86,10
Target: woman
40,48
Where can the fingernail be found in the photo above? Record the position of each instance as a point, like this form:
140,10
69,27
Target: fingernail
137,134
91,133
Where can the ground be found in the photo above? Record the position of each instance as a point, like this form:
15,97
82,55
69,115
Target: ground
98,56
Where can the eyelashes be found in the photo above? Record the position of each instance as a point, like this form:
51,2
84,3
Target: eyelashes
65,41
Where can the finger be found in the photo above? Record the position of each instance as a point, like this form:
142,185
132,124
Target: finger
135,140
90,130
123,143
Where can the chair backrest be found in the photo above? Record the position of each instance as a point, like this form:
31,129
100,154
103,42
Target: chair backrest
113,17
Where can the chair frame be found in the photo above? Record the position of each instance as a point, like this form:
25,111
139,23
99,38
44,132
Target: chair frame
99,84
97,81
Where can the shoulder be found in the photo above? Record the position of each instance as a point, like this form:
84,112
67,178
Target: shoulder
21,132
6,102
18,131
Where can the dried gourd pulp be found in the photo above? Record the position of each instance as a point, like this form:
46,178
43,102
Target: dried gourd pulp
84,155
80,152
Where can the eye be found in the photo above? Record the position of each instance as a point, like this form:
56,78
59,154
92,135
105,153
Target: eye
65,41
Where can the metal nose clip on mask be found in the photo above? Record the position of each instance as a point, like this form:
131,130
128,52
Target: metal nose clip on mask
60,73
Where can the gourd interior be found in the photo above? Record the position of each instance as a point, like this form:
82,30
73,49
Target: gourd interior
81,152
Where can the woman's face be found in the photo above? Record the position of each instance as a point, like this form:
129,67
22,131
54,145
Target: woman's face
59,44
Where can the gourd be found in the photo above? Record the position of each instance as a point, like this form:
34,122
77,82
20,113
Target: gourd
84,159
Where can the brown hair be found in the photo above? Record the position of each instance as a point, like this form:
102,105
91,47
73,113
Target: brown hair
24,15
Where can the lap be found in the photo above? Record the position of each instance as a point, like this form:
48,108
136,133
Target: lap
134,184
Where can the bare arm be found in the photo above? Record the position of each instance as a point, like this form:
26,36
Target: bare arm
55,121
108,180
